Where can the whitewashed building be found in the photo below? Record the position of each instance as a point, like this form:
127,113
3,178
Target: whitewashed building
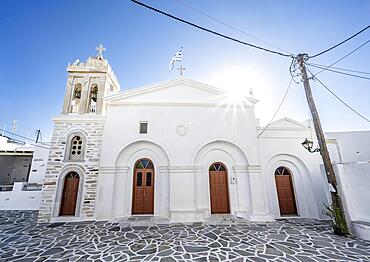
179,149
22,170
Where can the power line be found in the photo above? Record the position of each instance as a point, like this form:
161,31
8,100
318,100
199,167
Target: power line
26,132
342,69
341,100
11,133
340,59
211,31
349,38
343,73
230,26
278,108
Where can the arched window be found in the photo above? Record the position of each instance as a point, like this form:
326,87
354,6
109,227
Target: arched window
144,164
76,148
75,102
285,191
282,171
217,167
93,98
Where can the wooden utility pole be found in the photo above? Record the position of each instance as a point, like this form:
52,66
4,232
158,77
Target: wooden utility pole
337,203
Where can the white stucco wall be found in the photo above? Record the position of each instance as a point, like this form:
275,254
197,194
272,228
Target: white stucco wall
39,161
280,145
355,183
20,200
352,166
354,146
214,132
17,198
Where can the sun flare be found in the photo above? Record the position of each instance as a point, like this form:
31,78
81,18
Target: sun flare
238,82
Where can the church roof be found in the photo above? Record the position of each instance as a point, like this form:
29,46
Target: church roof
176,82
286,122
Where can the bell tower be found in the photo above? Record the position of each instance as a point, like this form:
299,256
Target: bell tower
77,140
87,84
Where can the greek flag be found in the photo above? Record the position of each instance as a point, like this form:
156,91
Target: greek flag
177,57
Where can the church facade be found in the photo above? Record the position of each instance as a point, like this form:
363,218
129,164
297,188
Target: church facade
177,149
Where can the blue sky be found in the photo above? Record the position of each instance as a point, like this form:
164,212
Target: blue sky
39,39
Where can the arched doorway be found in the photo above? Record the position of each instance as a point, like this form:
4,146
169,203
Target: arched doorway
143,190
218,189
285,191
69,194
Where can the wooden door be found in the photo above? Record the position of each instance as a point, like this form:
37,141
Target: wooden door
143,191
69,194
218,189
285,191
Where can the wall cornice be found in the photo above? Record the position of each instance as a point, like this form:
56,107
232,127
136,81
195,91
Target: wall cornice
182,169
113,169
254,169
240,169
200,104
78,118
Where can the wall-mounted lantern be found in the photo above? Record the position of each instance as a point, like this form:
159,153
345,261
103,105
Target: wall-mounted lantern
308,145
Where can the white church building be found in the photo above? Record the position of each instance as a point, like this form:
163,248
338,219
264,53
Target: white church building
176,149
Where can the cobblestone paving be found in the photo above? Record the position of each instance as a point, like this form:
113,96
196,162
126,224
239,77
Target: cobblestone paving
21,239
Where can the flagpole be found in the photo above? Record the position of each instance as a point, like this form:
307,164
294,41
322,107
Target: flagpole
177,58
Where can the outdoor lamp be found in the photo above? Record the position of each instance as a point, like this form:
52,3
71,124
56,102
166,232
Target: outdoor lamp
308,145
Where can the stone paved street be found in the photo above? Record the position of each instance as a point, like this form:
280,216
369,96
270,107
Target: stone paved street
21,239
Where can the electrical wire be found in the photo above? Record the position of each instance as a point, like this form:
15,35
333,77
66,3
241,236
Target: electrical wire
229,26
349,38
342,69
340,59
343,73
211,31
25,132
277,109
14,134
337,97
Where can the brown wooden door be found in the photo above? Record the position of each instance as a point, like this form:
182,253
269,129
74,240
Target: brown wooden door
69,195
284,188
219,189
143,191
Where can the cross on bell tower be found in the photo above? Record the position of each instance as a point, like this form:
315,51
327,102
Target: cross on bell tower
100,50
